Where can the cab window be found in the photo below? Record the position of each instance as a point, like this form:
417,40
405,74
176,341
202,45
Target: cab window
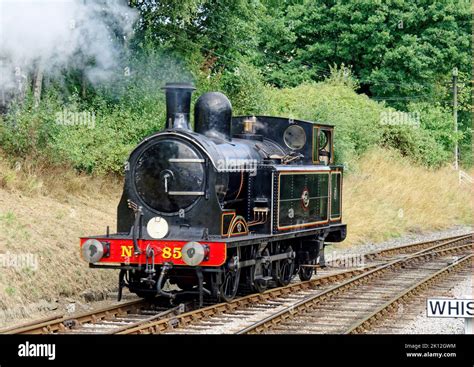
322,145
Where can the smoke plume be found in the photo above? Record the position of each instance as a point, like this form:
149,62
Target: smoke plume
53,35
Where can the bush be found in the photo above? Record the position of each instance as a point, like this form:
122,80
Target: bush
362,123
132,107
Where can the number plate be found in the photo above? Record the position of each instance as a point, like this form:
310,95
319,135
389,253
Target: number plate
121,251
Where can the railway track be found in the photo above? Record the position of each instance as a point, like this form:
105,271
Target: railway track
107,320
395,251
366,299
253,309
392,306
403,315
259,310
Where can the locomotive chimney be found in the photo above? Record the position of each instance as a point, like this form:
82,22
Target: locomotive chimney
178,105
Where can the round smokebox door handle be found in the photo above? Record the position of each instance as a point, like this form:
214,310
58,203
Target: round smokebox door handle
167,176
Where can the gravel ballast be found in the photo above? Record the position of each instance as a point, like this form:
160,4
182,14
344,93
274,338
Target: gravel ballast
434,325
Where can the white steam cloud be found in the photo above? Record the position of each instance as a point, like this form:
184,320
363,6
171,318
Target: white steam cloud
59,34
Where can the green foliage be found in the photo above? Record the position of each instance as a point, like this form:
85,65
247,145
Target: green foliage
360,122
120,114
316,60
396,48
357,119
123,118
10,291
26,131
415,143
245,88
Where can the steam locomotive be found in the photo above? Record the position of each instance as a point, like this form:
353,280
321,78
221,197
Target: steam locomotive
242,202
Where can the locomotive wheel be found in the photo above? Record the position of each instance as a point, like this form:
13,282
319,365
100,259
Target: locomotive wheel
231,277
305,273
285,269
261,270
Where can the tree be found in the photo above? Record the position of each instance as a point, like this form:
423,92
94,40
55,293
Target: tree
397,49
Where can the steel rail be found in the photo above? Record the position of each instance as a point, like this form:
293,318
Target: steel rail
175,316
308,302
424,245
203,313
58,324
255,298
370,320
176,310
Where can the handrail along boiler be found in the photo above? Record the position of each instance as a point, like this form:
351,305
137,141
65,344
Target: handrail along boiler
246,201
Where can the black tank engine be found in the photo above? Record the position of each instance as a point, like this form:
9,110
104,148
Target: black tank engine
246,201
